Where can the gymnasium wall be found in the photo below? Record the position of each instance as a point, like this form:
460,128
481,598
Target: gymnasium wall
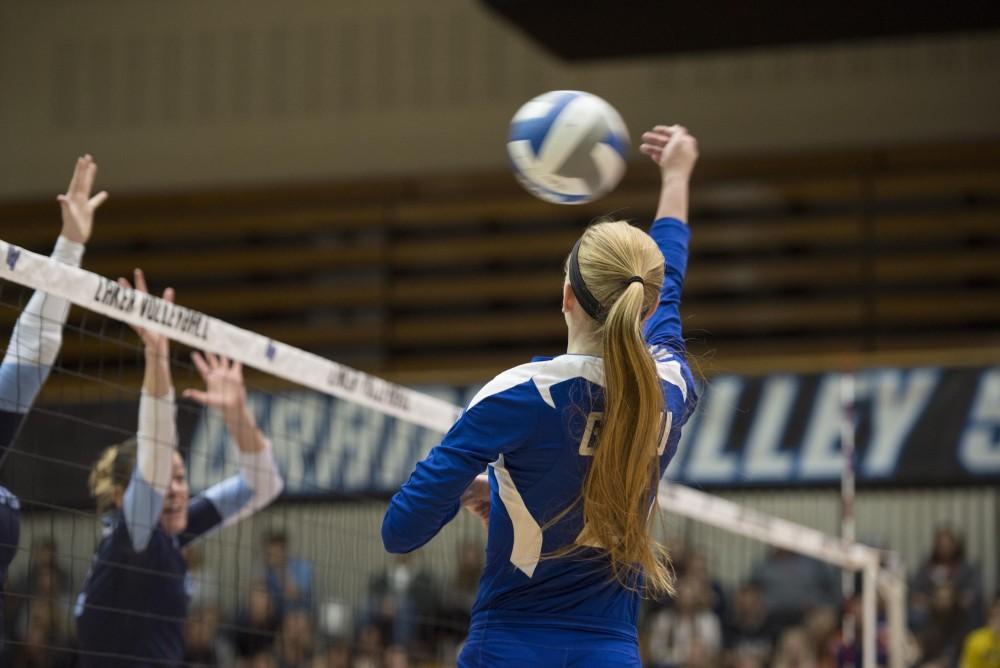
190,94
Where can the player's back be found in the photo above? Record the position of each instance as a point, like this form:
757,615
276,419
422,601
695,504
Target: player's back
529,428
533,484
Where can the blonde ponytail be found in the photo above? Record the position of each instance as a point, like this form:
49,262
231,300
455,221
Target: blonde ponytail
623,269
110,475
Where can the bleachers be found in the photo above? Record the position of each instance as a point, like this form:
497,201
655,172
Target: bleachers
452,277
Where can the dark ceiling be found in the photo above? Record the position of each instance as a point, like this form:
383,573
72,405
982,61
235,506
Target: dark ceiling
588,29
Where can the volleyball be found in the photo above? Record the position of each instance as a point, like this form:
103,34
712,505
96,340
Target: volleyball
568,147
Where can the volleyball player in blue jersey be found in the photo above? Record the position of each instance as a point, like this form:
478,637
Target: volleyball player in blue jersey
35,343
133,605
575,447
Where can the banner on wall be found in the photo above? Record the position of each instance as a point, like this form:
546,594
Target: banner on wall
921,426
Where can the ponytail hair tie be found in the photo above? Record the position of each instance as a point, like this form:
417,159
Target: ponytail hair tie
637,279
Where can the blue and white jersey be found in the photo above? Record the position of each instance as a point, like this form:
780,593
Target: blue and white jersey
134,602
533,426
31,352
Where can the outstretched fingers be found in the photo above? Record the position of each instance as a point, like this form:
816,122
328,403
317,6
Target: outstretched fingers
77,177
140,280
196,395
122,281
201,364
97,200
89,174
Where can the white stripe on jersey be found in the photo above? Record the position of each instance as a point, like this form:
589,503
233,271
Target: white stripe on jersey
547,373
508,379
527,549
565,367
671,372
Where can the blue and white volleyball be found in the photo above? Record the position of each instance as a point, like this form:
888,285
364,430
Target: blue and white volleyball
568,147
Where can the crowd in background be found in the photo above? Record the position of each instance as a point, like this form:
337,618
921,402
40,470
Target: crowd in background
787,614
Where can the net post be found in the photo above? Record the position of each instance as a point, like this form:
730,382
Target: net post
892,585
847,493
869,594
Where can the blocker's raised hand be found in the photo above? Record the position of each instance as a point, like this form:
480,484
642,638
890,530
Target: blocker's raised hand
225,391
77,205
224,387
155,343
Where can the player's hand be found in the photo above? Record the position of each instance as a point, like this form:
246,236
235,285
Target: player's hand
672,148
77,205
157,344
225,391
224,386
476,499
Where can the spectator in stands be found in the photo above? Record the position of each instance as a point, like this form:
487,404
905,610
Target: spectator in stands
369,649
204,587
696,568
402,601
203,642
41,645
794,584
43,571
336,655
262,660
48,605
982,647
840,653
396,657
45,584
940,636
822,626
749,634
289,579
296,642
746,660
678,551
456,607
687,634
795,650
256,625
946,565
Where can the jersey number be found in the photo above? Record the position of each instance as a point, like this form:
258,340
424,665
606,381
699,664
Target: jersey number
590,435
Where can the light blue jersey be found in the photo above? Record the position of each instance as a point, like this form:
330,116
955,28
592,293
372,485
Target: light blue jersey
533,427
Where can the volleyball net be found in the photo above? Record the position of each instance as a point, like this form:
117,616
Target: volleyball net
308,576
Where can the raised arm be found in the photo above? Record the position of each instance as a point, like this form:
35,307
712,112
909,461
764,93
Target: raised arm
156,436
37,336
675,152
258,482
